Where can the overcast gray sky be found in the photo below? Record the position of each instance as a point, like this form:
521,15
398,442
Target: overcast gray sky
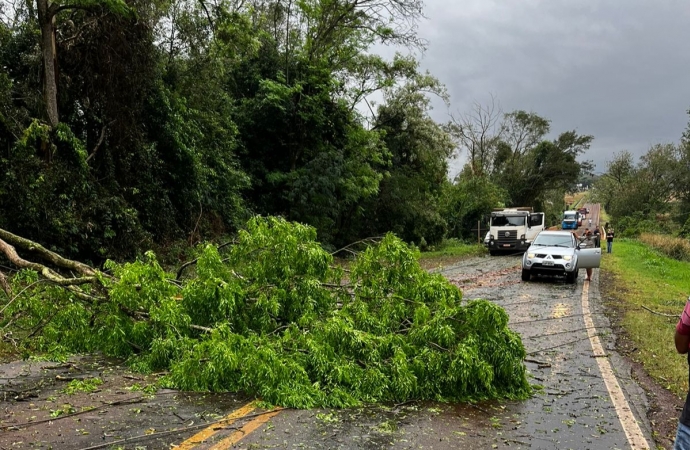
618,70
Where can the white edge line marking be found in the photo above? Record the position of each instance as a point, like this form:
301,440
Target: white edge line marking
630,425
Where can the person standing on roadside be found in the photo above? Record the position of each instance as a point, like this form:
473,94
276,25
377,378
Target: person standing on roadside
609,239
597,236
682,341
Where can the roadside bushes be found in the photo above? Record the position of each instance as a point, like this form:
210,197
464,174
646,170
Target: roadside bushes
48,193
271,316
674,247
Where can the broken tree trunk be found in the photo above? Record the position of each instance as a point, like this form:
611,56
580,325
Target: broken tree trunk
89,275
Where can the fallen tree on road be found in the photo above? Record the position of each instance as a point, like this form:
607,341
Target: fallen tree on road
272,316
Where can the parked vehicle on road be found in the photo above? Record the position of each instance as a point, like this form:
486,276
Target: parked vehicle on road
513,229
558,253
570,220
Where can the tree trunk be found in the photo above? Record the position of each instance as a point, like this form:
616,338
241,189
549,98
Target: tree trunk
46,21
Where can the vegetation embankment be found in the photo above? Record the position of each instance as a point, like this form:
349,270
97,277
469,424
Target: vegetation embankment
271,316
648,289
674,247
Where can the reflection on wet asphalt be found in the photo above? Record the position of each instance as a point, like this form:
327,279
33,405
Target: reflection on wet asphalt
574,409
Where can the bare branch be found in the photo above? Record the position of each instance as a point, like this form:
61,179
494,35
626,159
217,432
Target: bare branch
479,131
674,316
9,240
100,141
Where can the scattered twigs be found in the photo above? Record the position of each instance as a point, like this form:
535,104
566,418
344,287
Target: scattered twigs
538,336
558,346
66,416
369,241
548,318
178,430
675,316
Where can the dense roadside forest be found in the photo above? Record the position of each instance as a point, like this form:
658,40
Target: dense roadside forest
129,125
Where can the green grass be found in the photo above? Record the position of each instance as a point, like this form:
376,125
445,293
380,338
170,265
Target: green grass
636,275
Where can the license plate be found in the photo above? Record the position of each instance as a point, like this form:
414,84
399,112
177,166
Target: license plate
506,245
547,263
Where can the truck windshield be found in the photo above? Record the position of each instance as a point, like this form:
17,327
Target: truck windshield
569,217
507,221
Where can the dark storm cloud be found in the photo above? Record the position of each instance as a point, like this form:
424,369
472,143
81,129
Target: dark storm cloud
618,70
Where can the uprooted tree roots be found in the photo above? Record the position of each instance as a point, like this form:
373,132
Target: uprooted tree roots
270,315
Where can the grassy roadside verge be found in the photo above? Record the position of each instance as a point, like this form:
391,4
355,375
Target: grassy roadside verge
633,276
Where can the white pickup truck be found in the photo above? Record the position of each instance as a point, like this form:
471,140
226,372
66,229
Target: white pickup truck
558,253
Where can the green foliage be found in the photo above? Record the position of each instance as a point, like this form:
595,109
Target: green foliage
636,223
468,202
60,203
643,197
409,199
87,385
272,317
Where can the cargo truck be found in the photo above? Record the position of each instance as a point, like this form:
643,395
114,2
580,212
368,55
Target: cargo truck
571,220
513,229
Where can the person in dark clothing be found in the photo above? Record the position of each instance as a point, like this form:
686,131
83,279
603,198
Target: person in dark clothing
609,240
682,341
597,237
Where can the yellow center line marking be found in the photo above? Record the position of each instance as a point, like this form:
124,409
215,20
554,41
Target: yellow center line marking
238,435
215,427
632,429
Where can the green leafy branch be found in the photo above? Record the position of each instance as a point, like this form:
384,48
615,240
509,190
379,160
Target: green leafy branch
272,316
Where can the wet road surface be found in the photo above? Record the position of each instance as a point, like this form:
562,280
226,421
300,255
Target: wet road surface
576,407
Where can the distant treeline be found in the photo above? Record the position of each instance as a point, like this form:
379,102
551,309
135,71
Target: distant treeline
651,195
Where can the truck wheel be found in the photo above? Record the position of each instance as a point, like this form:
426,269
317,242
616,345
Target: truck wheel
493,252
571,277
526,276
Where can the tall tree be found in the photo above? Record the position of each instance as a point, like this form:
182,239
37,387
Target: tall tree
409,201
479,134
47,11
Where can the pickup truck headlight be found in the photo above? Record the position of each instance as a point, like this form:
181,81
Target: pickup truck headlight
522,236
567,257
530,255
